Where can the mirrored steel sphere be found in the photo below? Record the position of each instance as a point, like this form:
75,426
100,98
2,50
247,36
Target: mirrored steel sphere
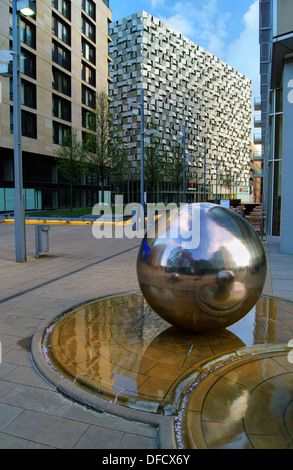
201,267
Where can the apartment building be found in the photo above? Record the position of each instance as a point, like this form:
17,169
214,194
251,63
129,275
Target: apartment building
64,61
184,87
276,69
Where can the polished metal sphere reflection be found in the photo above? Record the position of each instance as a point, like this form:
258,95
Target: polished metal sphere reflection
211,279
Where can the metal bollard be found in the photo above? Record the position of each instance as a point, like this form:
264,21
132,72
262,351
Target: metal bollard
42,238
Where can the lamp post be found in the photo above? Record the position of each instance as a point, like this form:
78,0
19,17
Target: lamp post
216,201
184,165
142,151
204,170
235,179
204,174
28,9
140,105
135,104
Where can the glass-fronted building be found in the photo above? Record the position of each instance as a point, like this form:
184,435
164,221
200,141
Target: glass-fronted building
276,69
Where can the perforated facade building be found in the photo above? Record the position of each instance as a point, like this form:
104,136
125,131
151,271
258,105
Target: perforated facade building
184,85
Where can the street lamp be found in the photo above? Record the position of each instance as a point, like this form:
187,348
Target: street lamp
135,104
184,163
204,156
27,7
216,164
235,183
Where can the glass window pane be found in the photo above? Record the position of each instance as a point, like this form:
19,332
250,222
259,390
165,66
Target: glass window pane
279,101
277,197
272,120
279,136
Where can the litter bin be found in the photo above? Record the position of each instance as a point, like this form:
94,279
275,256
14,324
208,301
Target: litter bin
42,238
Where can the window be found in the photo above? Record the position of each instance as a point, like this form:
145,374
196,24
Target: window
28,123
28,63
88,96
27,33
63,6
88,28
61,55
89,7
28,94
88,74
61,29
88,119
88,51
61,82
59,132
61,108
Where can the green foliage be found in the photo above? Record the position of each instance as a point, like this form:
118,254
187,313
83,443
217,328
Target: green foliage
227,180
96,143
120,171
70,160
106,156
175,168
155,159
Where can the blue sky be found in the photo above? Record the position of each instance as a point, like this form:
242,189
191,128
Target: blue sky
226,28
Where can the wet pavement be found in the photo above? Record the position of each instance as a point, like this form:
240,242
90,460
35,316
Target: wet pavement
120,385
240,376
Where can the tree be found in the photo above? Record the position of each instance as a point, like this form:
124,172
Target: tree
70,160
227,181
97,142
120,171
155,160
175,170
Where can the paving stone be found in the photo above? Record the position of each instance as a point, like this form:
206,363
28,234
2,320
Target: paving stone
12,442
36,399
46,429
7,414
77,268
99,438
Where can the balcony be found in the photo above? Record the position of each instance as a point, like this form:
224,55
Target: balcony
257,156
257,173
257,121
257,104
6,70
257,139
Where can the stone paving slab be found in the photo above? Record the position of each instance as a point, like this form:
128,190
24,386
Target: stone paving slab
77,268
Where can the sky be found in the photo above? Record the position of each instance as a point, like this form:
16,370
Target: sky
226,28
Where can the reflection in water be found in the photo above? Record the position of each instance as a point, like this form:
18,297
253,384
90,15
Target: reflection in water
120,346
237,409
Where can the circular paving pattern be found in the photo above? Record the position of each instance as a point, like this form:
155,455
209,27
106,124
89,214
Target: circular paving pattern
117,348
245,404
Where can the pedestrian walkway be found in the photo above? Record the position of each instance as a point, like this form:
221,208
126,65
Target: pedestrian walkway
77,268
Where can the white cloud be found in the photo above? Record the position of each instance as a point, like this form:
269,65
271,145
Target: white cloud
204,22
157,3
243,53
180,23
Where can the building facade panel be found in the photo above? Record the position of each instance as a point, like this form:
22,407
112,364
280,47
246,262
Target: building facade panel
184,85
55,44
